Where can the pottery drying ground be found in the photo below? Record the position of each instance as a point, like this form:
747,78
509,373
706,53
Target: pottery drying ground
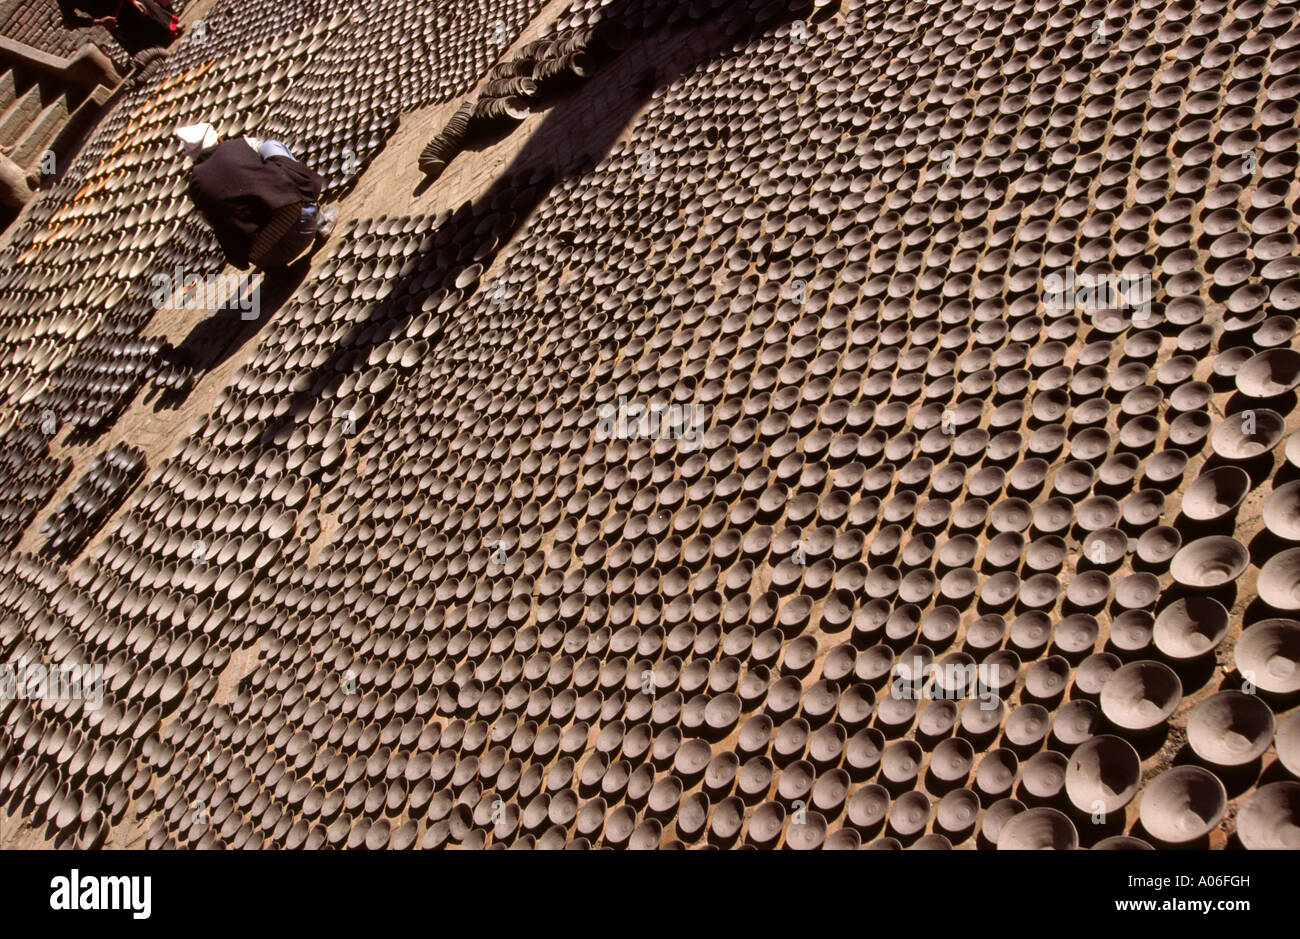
386,579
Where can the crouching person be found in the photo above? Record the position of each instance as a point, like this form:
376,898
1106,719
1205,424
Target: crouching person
260,202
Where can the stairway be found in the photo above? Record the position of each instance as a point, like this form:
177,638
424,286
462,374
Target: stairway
46,105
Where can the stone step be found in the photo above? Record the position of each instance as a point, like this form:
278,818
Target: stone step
69,137
40,134
11,86
16,118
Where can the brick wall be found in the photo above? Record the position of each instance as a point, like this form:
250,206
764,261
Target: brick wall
39,23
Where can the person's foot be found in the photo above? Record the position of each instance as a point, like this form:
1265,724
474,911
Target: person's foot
328,216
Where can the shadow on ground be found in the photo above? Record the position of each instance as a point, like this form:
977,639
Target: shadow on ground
551,155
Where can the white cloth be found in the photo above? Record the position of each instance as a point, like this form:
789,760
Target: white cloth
196,138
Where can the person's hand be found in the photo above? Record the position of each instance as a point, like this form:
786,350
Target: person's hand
139,6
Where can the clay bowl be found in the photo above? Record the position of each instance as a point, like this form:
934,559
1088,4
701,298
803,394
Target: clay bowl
1269,818
1089,591
1279,580
932,842
727,820
1044,555
1026,727
1165,469
1248,434
1230,728
957,813
997,772
1137,592
985,634
754,778
1140,695
1048,678
862,753
1075,636
808,835
846,839
1190,627
1001,668
790,740
1104,773
1157,546
1091,674
1209,562
873,665
1002,551
831,791
995,819
867,808
1130,632
909,814
1037,593
1267,655
951,760
1030,632
940,625
1074,722
1074,478
1282,511
1188,430
1182,804
1286,740
901,762
1229,362
1117,473
1097,513
1216,494
1038,829
883,844
1042,776
692,817
766,824
1122,843
1269,374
